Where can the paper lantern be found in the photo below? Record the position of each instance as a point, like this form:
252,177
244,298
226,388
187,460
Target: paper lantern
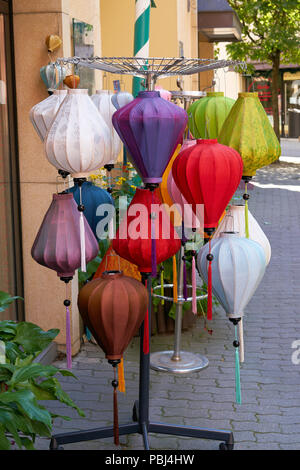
151,128
78,139
113,323
93,197
208,173
134,240
234,220
207,115
121,98
102,101
43,113
238,267
52,75
247,129
57,244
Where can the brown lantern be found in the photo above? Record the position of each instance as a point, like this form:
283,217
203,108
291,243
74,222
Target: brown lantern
113,307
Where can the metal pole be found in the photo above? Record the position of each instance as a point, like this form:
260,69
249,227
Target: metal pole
178,318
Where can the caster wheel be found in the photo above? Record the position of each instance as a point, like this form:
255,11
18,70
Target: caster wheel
225,446
135,416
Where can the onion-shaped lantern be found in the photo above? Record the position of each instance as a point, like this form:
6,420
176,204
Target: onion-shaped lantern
78,139
52,75
43,113
207,115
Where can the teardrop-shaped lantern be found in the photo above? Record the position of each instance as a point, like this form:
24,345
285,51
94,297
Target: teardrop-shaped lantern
134,237
207,115
234,220
72,81
57,245
208,173
102,101
43,113
121,98
52,75
98,205
112,322
151,128
247,129
78,139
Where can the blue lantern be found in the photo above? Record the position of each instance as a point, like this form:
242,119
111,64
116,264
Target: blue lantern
52,75
98,206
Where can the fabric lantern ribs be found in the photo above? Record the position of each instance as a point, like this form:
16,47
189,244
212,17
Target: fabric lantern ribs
52,75
247,129
78,139
102,101
151,128
133,239
207,115
238,268
43,113
234,220
208,173
93,197
57,244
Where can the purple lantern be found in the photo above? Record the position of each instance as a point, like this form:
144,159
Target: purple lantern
151,128
57,245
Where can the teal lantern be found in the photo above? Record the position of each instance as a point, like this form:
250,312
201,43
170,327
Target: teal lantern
207,115
52,75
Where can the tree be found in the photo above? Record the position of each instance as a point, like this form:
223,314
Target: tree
270,33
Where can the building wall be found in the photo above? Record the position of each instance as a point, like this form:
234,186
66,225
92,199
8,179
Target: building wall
33,21
230,82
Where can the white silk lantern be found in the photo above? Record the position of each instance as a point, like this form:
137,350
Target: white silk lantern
238,266
43,113
235,220
78,139
102,101
121,98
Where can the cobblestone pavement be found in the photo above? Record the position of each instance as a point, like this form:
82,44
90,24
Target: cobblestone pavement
269,417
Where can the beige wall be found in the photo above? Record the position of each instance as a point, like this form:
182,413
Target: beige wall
33,21
231,83
169,23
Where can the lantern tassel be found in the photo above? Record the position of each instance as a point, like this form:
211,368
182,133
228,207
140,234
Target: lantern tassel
116,418
209,287
194,287
146,331
246,212
121,377
175,295
82,243
241,340
237,373
153,242
184,279
68,339
162,289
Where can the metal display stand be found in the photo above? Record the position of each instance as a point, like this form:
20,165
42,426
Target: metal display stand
151,69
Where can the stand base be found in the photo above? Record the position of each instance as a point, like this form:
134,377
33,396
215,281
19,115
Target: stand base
188,362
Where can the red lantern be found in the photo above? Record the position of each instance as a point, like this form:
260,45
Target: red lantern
113,323
135,236
208,173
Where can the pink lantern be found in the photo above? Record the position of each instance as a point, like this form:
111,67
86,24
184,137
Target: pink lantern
165,94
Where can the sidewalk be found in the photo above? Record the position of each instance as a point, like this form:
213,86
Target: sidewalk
269,417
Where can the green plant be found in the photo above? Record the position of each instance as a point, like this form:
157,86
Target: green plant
6,300
24,383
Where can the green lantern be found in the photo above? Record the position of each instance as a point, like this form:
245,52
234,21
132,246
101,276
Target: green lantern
247,129
207,115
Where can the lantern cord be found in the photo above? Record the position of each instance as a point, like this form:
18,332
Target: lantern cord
175,287
246,212
82,234
67,303
237,370
162,290
184,279
209,286
121,377
116,418
146,329
153,241
194,286
241,340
